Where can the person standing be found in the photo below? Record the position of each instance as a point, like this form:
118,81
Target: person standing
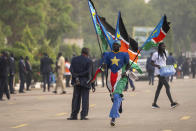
45,69
150,70
158,61
67,72
81,70
12,71
193,67
170,61
4,65
103,73
22,74
60,73
29,73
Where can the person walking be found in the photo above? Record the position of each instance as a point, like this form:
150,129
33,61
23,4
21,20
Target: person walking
60,73
4,65
130,81
22,74
12,71
158,61
150,70
81,70
170,61
45,69
29,73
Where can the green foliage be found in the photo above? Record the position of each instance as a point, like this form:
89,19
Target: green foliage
69,50
29,39
45,48
59,21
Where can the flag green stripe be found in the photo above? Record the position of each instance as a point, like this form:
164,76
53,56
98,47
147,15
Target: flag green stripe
104,42
135,66
150,45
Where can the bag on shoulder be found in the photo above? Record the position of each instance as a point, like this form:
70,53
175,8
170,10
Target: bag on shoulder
168,70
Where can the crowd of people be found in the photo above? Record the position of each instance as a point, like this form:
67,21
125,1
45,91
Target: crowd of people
82,70
8,65
8,72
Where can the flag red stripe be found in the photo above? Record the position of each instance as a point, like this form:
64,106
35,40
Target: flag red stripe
113,78
160,37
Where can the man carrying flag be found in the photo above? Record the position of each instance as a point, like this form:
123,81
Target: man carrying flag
116,64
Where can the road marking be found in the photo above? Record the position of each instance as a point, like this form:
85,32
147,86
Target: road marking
147,91
167,130
92,105
21,125
40,97
132,94
10,103
185,117
61,114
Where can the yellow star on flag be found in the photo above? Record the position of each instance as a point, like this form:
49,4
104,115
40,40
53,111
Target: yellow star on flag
118,35
115,61
154,32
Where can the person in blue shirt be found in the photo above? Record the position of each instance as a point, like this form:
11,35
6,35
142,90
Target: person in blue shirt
170,61
150,70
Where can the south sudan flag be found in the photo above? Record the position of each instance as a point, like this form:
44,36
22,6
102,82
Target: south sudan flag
128,44
158,34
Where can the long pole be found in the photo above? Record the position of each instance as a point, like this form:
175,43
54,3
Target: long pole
99,43
136,56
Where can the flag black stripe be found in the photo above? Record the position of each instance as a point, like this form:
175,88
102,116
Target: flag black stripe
165,25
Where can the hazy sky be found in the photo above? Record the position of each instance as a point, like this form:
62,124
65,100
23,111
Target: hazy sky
146,1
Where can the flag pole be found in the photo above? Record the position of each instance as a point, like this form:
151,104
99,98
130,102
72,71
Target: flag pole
138,53
99,45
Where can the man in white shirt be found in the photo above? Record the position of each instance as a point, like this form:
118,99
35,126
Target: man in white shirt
60,73
159,60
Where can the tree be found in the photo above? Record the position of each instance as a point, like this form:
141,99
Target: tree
29,40
59,21
22,13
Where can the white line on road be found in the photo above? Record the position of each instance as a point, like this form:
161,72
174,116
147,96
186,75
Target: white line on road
61,114
133,94
10,103
21,125
92,105
185,117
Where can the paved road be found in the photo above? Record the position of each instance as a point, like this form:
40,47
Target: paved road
38,111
